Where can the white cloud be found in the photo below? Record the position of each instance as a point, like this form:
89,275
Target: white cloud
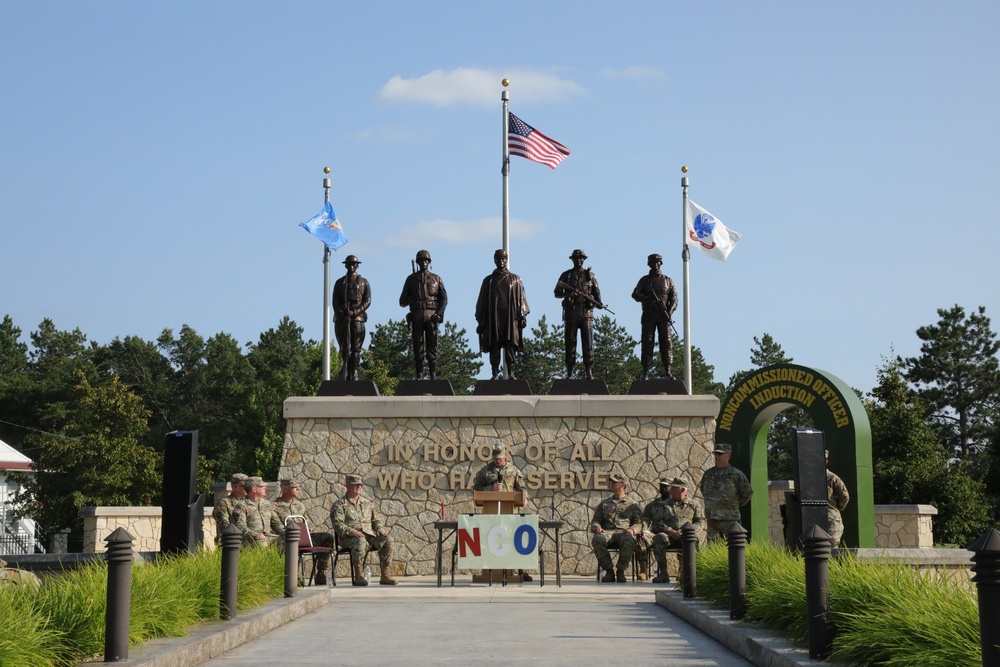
479,87
453,231
638,73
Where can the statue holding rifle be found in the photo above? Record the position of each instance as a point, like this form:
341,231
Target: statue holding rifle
580,293
426,297
658,297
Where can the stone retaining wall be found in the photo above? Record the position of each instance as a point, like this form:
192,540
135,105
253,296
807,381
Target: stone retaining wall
142,523
417,454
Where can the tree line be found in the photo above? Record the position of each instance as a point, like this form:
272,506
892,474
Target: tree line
93,416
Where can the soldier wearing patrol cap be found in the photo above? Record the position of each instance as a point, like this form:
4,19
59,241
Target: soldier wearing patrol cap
225,506
352,296
725,489
426,297
665,516
360,529
616,523
256,520
658,297
288,504
578,289
500,474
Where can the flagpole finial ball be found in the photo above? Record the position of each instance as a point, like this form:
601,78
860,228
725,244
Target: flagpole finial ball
684,170
326,170
505,82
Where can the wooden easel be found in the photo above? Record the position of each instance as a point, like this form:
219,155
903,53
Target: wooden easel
498,502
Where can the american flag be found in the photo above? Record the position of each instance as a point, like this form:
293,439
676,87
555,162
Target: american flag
527,142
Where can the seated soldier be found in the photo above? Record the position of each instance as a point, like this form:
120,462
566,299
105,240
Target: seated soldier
225,506
665,516
359,529
288,504
617,520
253,516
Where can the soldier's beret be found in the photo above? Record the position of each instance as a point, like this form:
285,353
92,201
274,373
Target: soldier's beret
291,483
353,479
616,477
722,448
499,448
678,481
238,478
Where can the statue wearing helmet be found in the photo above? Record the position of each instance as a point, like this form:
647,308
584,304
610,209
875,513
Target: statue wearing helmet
424,294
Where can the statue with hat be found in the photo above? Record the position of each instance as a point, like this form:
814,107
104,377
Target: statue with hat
658,297
664,517
501,315
578,289
616,524
424,294
725,489
352,296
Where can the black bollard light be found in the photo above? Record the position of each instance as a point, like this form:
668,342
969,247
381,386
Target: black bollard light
291,559
689,555
116,618
816,552
986,576
736,538
230,539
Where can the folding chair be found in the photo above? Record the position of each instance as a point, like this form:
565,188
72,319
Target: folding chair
635,562
338,551
306,547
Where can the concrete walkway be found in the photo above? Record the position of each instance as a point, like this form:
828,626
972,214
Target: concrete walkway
581,623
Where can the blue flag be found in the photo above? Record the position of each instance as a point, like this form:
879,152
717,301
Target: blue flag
325,226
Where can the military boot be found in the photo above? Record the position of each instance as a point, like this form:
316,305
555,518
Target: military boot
645,372
609,571
588,371
386,579
569,371
662,576
620,575
320,578
642,574
432,368
358,576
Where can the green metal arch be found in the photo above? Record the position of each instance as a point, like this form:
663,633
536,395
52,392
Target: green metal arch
747,412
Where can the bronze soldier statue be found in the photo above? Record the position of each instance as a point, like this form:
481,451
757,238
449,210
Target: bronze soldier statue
658,297
426,297
500,313
352,295
578,289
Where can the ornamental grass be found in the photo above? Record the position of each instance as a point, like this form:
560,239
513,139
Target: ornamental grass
62,622
884,613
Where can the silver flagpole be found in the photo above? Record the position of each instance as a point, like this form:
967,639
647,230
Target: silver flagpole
504,97
326,288
686,257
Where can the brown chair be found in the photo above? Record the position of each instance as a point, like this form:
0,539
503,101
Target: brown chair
306,547
338,551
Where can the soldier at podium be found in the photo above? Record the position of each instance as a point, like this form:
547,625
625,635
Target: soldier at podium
501,475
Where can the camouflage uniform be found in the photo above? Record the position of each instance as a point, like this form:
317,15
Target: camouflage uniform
254,518
349,516
294,507
837,498
224,508
616,516
664,513
724,491
513,480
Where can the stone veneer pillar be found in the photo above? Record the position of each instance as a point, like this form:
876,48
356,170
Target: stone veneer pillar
416,453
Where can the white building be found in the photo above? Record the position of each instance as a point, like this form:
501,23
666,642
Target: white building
16,537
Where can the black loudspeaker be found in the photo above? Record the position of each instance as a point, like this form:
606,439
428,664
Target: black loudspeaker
180,527
809,464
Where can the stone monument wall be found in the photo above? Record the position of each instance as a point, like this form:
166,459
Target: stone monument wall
418,455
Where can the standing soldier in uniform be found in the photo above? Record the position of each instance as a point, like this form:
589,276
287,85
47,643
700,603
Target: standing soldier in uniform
500,474
573,287
658,297
360,529
665,516
352,295
254,516
837,498
224,507
424,294
616,523
288,504
725,489
500,315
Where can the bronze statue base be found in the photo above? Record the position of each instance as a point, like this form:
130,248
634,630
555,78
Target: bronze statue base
592,387
657,387
424,388
502,388
347,388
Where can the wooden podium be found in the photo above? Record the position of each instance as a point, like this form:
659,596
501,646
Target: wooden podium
498,502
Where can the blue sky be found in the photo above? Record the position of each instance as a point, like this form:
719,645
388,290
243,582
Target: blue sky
156,159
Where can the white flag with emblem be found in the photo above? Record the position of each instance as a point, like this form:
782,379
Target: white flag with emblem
707,232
